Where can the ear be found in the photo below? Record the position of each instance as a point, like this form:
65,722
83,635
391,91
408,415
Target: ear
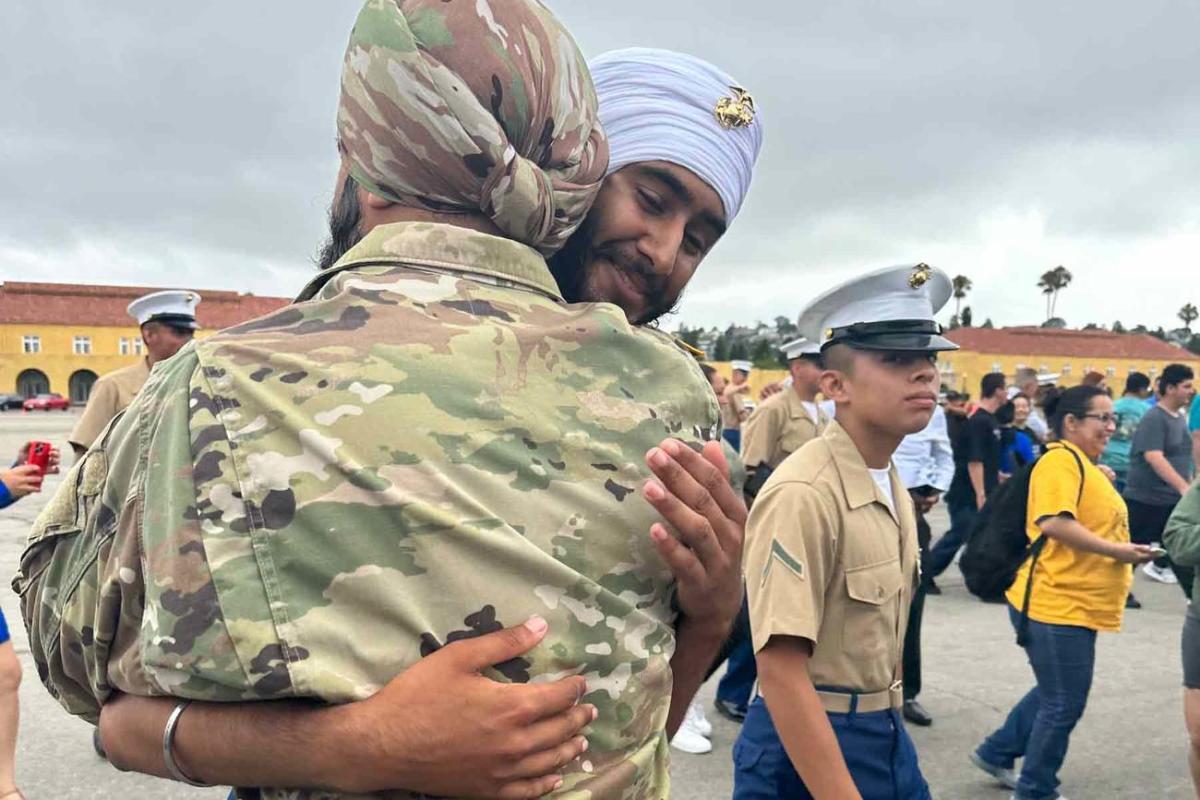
373,201
833,385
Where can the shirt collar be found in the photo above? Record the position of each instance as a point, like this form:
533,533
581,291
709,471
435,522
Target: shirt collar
857,484
796,409
446,248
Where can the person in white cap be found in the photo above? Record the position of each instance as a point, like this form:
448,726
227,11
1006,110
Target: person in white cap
832,548
168,322
783,424
786,421
733,403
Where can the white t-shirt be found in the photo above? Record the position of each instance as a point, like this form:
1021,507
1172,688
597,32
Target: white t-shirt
883,480
811,408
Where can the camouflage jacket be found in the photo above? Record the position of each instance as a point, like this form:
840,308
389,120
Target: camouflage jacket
429,445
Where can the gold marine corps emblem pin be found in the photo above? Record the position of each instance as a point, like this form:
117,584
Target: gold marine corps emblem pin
737,111
920,276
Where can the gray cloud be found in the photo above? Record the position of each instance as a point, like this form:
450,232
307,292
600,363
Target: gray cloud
193,144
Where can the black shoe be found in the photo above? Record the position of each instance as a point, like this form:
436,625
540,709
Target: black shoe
915,713
729,711
932,588
1132,602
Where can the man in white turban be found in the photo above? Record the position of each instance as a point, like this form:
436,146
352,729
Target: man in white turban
683,138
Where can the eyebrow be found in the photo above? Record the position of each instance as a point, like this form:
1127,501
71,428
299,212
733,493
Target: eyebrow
676,187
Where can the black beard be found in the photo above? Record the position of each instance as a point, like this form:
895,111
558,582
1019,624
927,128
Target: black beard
570,271
345,218
567,266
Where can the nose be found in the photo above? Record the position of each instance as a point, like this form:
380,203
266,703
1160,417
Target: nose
661,245
926,372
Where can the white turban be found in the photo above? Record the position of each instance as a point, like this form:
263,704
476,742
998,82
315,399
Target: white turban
659,105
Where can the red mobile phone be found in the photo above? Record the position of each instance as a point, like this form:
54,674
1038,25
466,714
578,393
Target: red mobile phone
39,455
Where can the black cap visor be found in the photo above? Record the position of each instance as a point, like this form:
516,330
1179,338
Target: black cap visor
904,336
181,321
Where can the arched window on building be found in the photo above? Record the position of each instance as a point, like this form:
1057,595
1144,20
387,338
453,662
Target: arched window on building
81,385
31,382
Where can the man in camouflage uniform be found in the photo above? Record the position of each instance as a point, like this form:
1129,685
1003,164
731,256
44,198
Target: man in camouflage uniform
259,530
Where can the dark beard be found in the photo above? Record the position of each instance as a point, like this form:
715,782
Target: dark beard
345,218
570,271
567,266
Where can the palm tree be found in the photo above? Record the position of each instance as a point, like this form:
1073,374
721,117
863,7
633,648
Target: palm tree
1189,314
1046,284
1051,283
962,285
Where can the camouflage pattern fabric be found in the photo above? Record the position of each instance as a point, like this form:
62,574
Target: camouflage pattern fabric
473,106
432,447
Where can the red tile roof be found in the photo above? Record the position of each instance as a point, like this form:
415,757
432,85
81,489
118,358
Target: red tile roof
75,304
1079,344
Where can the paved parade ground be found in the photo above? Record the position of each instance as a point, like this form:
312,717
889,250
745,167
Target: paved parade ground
1130,744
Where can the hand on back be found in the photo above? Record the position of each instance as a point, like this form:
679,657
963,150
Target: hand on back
703,529
442,728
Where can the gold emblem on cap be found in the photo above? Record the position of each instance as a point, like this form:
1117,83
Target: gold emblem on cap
828,334
920,276
737,111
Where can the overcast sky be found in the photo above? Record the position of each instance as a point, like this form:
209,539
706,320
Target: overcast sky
193,144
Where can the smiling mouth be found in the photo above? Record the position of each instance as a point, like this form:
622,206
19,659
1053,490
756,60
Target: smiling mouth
629,285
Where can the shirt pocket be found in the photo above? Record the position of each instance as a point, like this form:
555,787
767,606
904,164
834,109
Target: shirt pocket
873,608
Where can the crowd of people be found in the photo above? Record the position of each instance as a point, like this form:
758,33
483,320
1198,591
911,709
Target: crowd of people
573,526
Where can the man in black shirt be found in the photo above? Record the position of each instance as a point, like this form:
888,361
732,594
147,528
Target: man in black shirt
956,416
976,472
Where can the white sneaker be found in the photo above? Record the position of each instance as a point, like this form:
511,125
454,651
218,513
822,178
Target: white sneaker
689,740
697,721
1160,574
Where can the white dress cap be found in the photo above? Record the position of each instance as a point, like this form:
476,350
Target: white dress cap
744,366
175,307
888,309
800,347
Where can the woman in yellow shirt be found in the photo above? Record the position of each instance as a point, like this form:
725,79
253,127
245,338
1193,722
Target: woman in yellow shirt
1079,586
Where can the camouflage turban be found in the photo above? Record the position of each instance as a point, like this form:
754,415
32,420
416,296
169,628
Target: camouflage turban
473,106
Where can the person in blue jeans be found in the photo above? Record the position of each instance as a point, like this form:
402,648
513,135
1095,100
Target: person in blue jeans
976,473
1079,582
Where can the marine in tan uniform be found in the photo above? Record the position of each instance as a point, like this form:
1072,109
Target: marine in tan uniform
831,557
786,421
733,403
168,322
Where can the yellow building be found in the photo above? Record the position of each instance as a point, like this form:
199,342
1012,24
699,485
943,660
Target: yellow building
60,337
1062,356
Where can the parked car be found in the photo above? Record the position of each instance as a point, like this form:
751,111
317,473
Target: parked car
47,402
11,402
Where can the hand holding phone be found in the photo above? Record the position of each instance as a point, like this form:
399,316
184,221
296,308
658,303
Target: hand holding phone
38,454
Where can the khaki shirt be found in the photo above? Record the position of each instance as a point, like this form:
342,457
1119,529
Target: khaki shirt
778,428
733,405
828,560
111,394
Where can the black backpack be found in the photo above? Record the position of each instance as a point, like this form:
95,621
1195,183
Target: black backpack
998,544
